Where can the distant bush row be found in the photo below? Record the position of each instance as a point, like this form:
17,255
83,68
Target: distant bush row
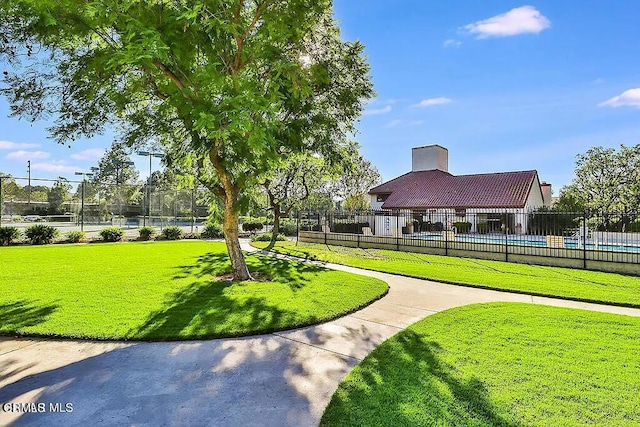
41,234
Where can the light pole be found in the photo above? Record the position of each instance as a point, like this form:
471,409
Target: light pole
84,183
148,192
120,164
1,199
95,170
29,185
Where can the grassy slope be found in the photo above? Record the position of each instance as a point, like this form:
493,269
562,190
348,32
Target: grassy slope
164,290
498,364
549,281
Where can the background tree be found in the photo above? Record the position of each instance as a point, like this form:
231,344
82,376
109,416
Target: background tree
290,185
608,180
354,185
607,183
58,194
117,178
221,82
569,200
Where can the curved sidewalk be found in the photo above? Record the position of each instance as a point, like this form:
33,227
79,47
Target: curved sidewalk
285,378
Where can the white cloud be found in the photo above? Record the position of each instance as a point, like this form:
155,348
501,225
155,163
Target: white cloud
58,166
451,43
629,98
434,101
27,155
8,145
403,123
521,20
374,111
90,154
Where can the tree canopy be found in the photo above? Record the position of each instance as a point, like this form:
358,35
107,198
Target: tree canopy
226,86
608,180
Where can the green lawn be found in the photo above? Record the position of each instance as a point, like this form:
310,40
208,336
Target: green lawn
504,364
559,282
164,290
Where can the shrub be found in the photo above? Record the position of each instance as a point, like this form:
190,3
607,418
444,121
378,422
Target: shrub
462,227
212,231
483,228
634,227
288,228
8,235
307,225
40,234
172,232
349,227
266,237
75,236
147,232
252,226
112,234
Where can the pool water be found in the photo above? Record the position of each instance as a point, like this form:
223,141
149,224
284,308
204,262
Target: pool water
536,241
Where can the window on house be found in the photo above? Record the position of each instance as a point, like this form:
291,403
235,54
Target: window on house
381,197
461,212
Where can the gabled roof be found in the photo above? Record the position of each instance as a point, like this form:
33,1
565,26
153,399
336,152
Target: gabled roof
437,189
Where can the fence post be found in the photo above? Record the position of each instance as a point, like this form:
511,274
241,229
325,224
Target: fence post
446,235
298,226
2,200
584,239
506,236
193,209
324,226
398,228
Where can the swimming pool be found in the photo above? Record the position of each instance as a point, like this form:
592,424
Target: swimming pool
528,240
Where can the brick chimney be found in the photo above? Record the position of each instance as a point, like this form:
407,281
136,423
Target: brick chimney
546,193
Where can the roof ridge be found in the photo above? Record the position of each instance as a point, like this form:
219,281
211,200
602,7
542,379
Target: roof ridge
497,173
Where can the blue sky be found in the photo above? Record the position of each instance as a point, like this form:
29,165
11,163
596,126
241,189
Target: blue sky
503,85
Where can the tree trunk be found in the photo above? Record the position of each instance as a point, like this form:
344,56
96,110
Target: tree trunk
230,228
276,228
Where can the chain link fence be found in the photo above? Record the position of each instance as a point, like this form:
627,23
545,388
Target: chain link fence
78,205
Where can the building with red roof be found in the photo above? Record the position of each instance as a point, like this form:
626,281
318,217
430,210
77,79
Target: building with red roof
433,194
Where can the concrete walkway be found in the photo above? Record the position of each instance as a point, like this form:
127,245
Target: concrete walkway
285,378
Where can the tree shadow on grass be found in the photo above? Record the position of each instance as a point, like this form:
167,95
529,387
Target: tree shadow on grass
210,308
408,383
20,314
214,264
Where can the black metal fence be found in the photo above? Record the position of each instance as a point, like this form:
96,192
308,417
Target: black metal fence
508,235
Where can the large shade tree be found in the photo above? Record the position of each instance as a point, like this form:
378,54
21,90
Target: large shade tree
607,179
225,85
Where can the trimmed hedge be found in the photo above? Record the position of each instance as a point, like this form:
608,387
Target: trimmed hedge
252,227
634,227
349,227
462,227
483,228
266,237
